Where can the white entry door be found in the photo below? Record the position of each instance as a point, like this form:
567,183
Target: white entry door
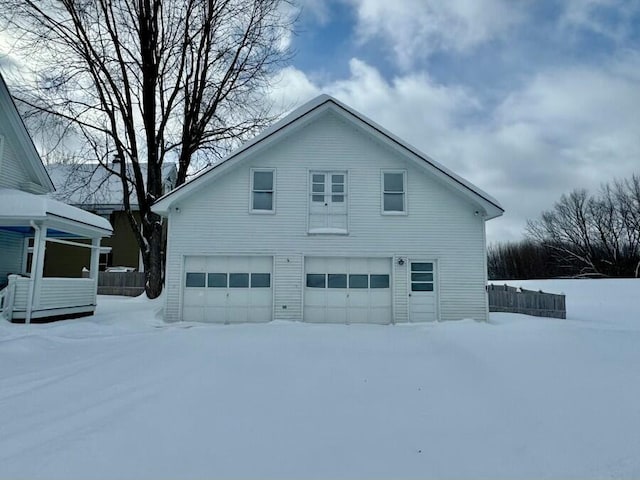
228,289
347,290
422,291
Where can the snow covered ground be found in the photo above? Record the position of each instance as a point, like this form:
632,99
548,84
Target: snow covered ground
122,395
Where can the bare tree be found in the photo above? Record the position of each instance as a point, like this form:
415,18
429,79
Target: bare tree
150,81
597,234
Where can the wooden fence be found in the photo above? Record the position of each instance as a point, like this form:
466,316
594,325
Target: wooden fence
503,298
130,284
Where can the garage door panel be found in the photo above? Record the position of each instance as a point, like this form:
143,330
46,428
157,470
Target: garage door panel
228,295
344,302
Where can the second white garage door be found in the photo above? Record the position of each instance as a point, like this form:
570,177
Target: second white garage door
347,290
228,289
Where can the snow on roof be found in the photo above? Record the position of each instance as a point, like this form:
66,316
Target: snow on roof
92,184
19,205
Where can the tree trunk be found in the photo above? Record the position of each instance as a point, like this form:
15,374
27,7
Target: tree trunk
153,258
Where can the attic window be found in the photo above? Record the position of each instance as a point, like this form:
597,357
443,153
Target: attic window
262,191
394,189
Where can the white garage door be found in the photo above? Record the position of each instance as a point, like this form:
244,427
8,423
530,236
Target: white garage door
347,290
228,289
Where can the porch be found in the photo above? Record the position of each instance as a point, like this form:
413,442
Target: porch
26,294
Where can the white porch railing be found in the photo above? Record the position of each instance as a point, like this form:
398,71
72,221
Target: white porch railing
53,296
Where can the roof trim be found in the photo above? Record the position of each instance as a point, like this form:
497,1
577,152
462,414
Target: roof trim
164,203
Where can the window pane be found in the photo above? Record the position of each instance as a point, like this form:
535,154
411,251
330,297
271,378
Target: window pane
263,181
337,188
422,287
358,281
317,188
217,280
317,178
337,198
315,280
239,280
422,267
260,280
262,201
394,182
195,280
318,198
379,281
337,280
394,202
422,277
337,178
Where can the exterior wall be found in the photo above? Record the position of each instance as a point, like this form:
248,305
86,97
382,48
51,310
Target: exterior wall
11,251
67,261
12,173
440,224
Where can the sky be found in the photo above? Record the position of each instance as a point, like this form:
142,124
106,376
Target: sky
526,99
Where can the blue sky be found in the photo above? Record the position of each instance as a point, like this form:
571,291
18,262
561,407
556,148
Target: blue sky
527,99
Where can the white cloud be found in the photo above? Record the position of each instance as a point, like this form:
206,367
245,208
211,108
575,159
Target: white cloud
416,28
564,129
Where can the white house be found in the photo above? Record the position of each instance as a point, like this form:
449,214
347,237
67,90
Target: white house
27,215
326,217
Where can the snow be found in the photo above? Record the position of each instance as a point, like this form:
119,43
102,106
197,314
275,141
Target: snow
124,395
16,204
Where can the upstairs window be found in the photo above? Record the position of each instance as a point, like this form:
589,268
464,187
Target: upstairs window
262,191
394,190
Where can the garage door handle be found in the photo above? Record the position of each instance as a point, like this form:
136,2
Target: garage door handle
409,294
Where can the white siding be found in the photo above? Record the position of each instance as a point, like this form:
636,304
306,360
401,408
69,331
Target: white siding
440,223
11,251
287,281
12,173
400,291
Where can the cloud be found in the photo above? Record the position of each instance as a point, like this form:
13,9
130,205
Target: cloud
414,29
615,19
565,128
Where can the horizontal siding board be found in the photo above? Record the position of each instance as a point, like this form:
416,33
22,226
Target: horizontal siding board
440,225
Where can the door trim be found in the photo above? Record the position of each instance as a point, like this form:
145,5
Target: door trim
436,286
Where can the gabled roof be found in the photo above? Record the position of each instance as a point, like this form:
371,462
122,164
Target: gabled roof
305,114
28,152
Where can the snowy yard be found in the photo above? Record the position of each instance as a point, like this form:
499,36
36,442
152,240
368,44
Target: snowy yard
122,395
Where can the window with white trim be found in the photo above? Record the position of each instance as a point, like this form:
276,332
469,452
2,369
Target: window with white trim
262,190
394,192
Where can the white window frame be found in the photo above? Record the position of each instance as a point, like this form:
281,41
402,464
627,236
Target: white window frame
273,191
404,193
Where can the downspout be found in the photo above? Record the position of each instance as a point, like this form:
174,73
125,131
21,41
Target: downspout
34,262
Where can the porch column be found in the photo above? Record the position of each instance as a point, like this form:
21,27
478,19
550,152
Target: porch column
94,265
37,269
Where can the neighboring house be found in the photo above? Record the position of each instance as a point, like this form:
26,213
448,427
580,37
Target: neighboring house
326,217
93,188
26,292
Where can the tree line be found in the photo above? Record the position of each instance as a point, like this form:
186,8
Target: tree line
583,234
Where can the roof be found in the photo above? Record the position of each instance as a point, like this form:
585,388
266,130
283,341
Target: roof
307,112
28,151
90,185
18,207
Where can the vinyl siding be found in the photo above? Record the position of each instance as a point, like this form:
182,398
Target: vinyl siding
11,252
12,173
440,224
287,282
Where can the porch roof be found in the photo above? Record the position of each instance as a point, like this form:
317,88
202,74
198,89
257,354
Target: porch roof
18,208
